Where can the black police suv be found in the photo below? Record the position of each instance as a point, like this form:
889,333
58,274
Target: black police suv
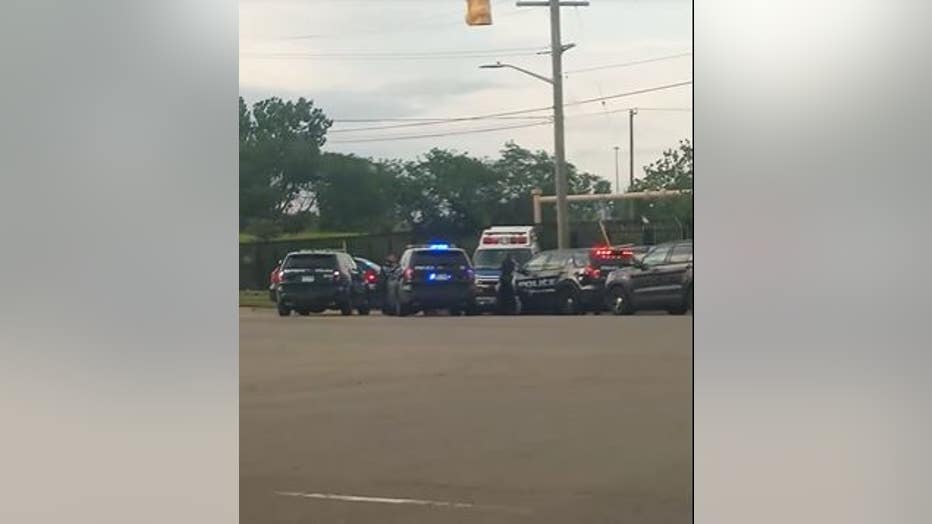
314,281
431,277
661,279
560,281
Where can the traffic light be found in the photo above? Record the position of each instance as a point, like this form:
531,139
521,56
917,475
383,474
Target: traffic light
478,12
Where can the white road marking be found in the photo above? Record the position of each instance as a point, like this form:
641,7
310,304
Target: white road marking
387,500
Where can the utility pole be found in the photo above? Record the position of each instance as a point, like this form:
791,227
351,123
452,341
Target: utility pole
631,113
559,145
617,180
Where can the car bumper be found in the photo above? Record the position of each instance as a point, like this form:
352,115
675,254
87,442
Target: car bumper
300,296
437,296
486,294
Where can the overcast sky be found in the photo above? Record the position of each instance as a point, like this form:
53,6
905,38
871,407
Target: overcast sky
354,59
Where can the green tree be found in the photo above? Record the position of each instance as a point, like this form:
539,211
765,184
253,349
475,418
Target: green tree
520,171
448,191
356,194
279,158
674,170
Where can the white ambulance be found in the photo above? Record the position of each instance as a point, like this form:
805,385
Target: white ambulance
496,243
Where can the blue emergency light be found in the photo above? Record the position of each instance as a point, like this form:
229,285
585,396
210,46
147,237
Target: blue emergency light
439,247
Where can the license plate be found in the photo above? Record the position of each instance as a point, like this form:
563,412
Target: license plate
440,277
307,279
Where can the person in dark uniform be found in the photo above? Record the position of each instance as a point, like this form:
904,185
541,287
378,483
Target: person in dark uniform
388,265
505,298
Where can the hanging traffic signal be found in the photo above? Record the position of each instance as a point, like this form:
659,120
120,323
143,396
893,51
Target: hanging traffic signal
478,12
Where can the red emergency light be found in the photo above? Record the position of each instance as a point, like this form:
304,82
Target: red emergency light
608,253
504,239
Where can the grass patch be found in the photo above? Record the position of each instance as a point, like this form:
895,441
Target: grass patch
246,238
249,298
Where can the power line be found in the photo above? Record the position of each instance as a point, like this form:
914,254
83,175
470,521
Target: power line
421,119
437,135
628,64
385,56
429,23
441,120
367,53
436,121
481,130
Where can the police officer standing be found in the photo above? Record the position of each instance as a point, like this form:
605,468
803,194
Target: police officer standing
506,291
388,265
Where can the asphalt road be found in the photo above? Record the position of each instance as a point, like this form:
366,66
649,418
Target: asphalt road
465,420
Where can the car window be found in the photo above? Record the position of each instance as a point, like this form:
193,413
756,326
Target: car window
537,263
493,258
681,253
657,255
439,258
557,261
311,261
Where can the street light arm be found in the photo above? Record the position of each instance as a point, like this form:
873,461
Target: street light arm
500,65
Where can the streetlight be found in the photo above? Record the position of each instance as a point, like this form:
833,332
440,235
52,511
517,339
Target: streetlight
559,148
499,65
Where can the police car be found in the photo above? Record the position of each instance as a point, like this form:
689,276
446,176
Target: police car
569,282
431,277
496,243
316,280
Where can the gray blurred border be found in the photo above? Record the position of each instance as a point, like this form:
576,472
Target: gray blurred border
118,231
812,217
117,159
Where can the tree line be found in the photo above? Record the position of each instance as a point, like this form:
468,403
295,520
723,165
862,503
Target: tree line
288,183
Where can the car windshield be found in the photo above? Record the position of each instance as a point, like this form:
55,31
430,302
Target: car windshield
493,258
311,261
439,258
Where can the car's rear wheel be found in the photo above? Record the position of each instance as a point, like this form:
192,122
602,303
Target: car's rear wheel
283,311
620,303
567,302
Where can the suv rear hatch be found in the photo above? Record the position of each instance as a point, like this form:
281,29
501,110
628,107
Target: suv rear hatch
440,267
311,271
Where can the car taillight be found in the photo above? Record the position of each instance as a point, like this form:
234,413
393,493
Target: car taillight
592,272
409,274
370,277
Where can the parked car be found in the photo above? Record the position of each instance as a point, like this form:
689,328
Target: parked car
661,279
559,281
317,280
431,277
275,278
371,276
